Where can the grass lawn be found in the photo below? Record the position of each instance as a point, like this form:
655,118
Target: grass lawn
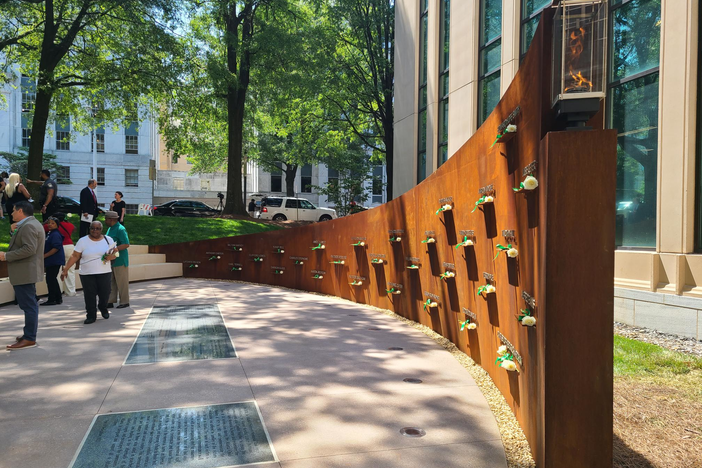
158,230
657,407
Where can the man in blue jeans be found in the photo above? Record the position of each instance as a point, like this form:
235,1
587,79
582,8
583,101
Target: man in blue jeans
25,266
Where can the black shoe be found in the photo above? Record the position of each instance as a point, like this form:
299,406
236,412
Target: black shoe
122,306
105,314
89,321
60,301
110,305
48,303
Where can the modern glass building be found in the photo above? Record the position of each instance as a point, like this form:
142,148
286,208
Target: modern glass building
455,59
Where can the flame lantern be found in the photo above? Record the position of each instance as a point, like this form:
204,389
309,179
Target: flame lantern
579,58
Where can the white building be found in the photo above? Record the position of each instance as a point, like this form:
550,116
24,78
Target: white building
122,156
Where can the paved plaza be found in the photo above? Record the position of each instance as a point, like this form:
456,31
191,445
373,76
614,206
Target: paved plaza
316,371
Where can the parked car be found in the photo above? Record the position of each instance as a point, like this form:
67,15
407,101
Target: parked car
70,205
189,208
296,209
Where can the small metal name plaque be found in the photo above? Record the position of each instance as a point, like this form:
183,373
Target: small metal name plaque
299,258
257,255
319,242
278,268
469,233
358,238
358,278
192,261
530,169
395,285
278,247
508,233
377,255
488,189
214,253
511,347
489,277
469,314
412,259
396,231
432,296
235,264
235,245
450,266
319,272
429,233
339,257
443,201
531,302
510,118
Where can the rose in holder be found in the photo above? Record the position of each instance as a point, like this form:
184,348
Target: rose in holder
505,359
430,304
377,261
413,266
356,283
359,244
318,276
482,200
446,207
215,257
467,324
258,259
526,318
237,249
447,275
509,250
236,268
193,265
429,240
337,262
393,291
509,132
277,272
299,262
319,247
395,239
530,183
279,251
487,289
466,242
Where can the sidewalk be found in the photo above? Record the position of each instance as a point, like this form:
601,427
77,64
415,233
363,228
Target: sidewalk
330,392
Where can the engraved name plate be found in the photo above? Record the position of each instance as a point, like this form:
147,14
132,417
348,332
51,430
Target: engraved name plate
339,257
319,242
278,268
396,231
510,346
395,285
443,201
450,266
432,296
530,169
531,302
358,238
377,255
358,278
429,233
469,314
469,233
488,189
489,277
234,264
299,258
214,253
257,255
510,118
412,259
278,247
319,272
508,233
192,261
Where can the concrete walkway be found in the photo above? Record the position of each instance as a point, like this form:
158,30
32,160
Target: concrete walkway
330,392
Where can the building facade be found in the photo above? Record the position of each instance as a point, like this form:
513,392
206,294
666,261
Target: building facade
122,155
453,61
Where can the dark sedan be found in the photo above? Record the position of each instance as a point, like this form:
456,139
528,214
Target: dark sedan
70,205
184,208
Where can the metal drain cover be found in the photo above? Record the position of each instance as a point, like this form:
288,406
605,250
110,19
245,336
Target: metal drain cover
414,381
395,348
413,432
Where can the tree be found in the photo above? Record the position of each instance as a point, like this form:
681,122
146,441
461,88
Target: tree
361,79
17,162
87,55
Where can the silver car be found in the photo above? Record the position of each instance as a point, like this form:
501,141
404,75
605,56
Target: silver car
296,209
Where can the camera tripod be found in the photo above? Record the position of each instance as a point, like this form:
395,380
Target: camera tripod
220,205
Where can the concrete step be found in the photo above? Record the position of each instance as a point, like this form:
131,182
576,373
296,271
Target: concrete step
141,259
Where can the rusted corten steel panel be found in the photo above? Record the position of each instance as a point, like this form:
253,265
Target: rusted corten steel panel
563,230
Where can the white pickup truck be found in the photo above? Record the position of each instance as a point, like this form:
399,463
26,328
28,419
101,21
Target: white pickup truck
296,209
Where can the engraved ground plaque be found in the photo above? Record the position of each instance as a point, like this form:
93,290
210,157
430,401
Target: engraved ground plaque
198,437
182,333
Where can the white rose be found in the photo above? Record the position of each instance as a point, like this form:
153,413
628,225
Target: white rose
529,321
502,350
512,253
398,239
323,247
361,244
399,291
341,262
489,199
449,274
431,240
472,326
490,289
509,365
468,242
511,128
530,183
433,304
320,277
447,207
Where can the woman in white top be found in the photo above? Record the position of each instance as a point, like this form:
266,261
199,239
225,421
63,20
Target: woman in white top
95,252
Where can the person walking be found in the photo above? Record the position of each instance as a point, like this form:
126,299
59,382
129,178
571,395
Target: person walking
15,192
66,230
119,206
49,191
252,208
95,252
25,266
88,207
54,259
120,265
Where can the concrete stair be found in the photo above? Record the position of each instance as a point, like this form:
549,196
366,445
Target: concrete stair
143,266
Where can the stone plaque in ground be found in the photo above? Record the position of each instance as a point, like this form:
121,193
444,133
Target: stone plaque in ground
182,333
198,437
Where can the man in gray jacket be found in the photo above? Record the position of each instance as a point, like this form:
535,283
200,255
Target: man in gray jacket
25,266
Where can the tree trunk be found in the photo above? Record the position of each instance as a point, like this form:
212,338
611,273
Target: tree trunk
42,106
290,171
389,135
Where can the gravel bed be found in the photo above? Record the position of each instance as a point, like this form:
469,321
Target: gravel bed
681,344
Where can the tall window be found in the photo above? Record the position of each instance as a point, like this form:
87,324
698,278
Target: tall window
377,184
633,112
205,185
277,179
306,178
131,177
63,133
26,129
444,81
489,57
100,179
63,174
131,138
333,176
29,95
100,138
531,14
422,133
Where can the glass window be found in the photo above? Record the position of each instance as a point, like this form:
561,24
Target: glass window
100,175
131,177
444,82
178,183
422,110
377,184
490,57
131,138
63,174
291,203
531,14
63,133
333,176
306,178
26,130
29,93
307,205
633,112
277,179
131,209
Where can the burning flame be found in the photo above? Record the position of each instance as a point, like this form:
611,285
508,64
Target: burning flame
576,49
